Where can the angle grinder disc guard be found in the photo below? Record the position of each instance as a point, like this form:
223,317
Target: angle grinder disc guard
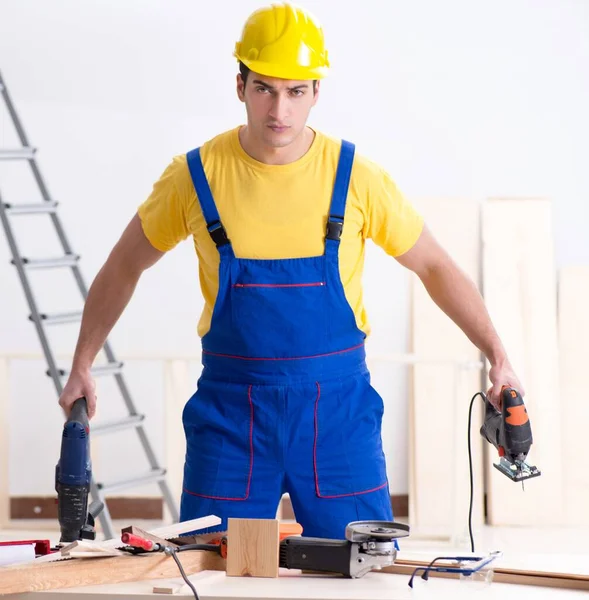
362,531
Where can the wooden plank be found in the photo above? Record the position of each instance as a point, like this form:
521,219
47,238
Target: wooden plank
76,572
88,548
4,445
174,530
252,547
573,327
519,284
438,475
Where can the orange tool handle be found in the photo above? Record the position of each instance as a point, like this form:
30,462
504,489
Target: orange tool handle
137,542
285,530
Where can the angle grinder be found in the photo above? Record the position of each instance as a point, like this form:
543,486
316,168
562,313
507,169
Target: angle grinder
368,545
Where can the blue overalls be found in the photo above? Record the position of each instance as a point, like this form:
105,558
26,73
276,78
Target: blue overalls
284,401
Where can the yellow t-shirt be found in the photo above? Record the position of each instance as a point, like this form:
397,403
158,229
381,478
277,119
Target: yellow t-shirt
279,211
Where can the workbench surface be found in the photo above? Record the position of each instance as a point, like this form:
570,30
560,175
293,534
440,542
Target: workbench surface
291,585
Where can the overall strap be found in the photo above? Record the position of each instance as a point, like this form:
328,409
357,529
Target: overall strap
205,198
335,222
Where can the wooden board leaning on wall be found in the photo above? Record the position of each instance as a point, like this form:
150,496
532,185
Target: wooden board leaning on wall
573,328
441,392
519,286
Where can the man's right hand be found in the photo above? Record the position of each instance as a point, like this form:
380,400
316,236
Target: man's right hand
80,383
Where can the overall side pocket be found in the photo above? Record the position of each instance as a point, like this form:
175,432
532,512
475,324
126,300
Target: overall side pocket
348,455
218,423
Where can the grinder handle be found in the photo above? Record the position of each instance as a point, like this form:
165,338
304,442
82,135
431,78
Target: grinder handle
79,413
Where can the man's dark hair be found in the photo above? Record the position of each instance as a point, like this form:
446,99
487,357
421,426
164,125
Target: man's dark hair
245,71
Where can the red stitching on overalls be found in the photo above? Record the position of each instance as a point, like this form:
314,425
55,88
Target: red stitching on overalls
278,285
315,441
249,478
286,358
315,459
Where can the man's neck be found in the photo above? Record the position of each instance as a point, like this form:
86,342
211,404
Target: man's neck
276,156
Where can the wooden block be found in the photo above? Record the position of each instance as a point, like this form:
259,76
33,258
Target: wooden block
441,389
252,547
74,572
173,588
573,327
520,293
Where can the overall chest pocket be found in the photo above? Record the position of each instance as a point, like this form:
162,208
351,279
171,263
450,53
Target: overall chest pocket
279,310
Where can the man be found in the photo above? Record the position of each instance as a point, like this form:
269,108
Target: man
279,214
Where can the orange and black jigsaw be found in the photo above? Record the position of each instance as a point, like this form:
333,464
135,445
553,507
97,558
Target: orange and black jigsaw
509,430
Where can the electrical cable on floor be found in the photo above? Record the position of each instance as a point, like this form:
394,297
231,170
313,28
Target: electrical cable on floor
482,395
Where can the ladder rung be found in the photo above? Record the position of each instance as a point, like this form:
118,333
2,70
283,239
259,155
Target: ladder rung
17,153
69,260
58,318
127,423
99,371
152,476
31,209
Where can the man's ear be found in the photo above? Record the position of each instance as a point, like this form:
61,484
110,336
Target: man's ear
316,91
240,87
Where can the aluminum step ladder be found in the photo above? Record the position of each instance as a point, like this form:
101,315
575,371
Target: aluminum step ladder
41,320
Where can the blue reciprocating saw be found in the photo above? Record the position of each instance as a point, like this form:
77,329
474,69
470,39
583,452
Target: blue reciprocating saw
73,474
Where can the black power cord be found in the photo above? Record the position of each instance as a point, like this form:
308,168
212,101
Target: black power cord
482,395
173,552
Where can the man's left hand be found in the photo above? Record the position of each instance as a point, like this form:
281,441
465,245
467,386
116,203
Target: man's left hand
502,375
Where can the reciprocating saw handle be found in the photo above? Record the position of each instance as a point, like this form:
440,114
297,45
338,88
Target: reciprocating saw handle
73,473
79,413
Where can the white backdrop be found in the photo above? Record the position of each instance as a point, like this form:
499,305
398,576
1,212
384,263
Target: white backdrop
459,98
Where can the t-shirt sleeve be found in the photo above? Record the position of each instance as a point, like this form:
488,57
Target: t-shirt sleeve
392,221
163,213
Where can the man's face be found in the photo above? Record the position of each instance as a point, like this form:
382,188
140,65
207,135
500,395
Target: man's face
277,109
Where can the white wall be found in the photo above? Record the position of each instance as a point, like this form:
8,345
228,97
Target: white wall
454,98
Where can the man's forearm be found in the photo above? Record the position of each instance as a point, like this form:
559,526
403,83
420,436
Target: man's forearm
455,293
107,298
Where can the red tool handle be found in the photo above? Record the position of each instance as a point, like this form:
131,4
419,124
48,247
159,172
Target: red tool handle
137,542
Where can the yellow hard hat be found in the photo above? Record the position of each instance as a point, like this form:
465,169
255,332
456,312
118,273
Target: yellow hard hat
283,40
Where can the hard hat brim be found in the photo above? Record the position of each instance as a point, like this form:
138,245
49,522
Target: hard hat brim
298,73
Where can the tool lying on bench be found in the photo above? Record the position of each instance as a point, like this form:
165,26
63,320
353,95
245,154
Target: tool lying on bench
368,545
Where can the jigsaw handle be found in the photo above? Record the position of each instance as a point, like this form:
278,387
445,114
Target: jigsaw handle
517,429
491,424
